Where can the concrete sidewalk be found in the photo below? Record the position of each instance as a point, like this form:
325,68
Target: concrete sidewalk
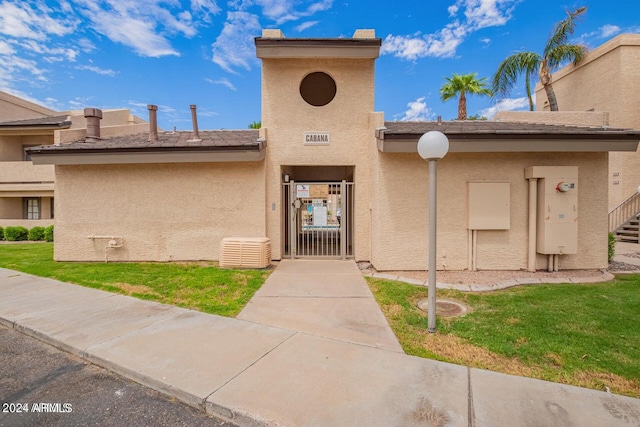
258,375
328,299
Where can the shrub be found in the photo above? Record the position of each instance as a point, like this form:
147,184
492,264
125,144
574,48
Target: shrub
612,246
14,234
1,233
48,233
36,233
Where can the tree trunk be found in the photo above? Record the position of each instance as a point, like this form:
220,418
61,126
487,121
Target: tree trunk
545,80
551,96
462,106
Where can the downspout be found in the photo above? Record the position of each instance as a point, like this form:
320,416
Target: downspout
533,208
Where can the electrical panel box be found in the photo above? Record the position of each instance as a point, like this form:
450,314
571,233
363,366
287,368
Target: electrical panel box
489,206
557,210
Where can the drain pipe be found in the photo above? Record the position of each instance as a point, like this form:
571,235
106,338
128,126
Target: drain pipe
533,209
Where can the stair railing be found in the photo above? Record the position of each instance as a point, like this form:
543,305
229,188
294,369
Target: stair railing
624,212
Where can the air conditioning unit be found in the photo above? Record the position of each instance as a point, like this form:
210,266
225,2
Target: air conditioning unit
245,252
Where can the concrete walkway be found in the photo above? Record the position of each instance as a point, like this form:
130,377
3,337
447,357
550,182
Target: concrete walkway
259,375
327,299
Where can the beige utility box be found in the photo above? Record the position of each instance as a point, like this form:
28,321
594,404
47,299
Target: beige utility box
245,252
557,210
489,206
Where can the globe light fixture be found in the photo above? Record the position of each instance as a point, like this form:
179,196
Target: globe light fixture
432,146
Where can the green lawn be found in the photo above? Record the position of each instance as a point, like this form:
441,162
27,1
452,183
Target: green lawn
586,335
198,286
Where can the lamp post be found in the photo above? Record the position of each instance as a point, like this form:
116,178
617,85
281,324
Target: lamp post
432,146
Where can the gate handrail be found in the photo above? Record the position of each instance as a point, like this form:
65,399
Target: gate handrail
624,212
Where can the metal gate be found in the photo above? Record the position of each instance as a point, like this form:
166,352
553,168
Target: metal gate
317,219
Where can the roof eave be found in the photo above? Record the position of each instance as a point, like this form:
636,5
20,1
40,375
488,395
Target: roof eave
136,156
317,48
514,144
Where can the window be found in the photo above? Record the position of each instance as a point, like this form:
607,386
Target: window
318,89
32,208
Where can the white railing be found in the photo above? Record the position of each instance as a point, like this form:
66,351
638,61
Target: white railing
624,212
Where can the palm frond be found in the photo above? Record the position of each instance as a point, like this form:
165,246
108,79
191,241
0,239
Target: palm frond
510,70
561,55
563,29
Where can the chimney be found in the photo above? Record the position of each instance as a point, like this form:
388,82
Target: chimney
439,120
194,119
93,116
153,122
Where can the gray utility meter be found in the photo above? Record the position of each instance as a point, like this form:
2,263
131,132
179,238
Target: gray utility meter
557,213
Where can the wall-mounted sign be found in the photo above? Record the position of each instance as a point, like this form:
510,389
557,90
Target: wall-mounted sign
302,191
316,138
319,191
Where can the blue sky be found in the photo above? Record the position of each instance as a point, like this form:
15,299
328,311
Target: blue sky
126,54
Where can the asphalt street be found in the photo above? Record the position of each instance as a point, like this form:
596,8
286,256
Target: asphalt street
43,386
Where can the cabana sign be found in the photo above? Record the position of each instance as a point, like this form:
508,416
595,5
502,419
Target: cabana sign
316,138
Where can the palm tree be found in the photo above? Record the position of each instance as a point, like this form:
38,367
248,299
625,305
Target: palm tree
557,51
255,125
461,84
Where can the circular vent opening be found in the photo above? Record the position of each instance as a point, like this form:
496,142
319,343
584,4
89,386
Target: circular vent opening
318,89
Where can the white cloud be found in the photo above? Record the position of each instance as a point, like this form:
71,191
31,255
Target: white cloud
56,54
32,20
609,30
418,111
205,8
443,43
281,11
306,25
6,49
234,46
223,81
146,25
97,70
507,104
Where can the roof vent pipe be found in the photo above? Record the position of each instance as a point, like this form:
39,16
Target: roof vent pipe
153,122
93,116
194,119
439,120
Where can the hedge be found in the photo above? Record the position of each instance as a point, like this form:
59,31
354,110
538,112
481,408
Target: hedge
14,234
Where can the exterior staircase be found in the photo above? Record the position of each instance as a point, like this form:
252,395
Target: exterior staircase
624,220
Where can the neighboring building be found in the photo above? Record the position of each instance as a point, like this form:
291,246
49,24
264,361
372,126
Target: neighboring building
607,79
326,176
27,190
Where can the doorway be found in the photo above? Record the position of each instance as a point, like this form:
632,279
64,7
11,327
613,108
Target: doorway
317,219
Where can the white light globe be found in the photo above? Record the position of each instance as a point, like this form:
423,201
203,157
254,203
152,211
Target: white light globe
433,145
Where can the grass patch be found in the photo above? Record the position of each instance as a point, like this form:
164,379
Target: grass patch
586,335
198,286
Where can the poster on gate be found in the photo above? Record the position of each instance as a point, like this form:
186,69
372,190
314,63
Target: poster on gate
320,216
302,191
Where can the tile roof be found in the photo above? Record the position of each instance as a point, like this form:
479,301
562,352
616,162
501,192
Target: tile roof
216,140
477,128
58,121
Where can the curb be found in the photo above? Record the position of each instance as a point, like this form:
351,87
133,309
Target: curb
472,287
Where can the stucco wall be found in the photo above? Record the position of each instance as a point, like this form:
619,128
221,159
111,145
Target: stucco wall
606,80
12,146
286,116
164,212
14,108
400,211
575,118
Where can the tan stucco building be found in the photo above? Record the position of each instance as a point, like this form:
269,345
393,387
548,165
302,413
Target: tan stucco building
607,79
326,176
27,190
